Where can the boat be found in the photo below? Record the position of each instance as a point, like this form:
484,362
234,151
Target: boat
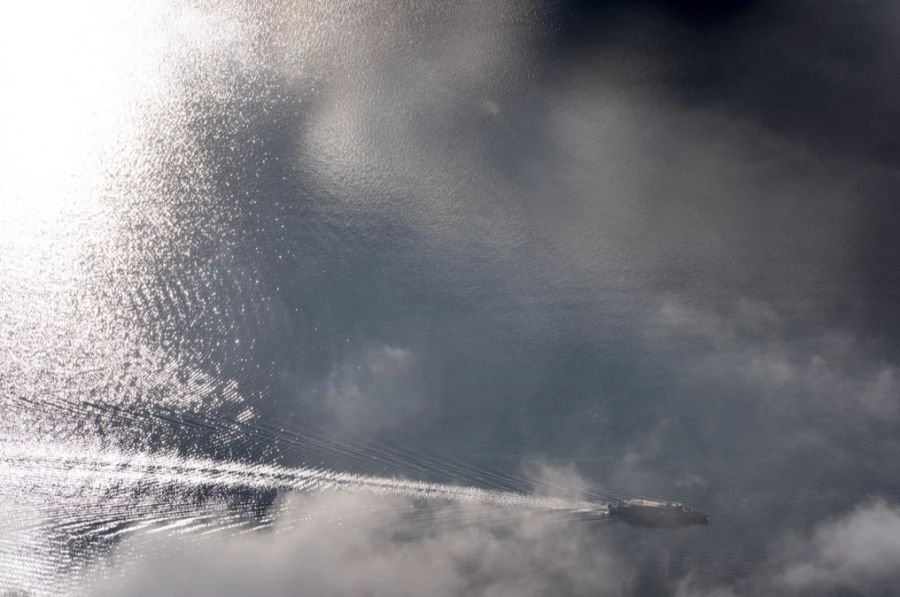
652,513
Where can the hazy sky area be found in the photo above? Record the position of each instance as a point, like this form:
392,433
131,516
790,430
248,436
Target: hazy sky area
338,298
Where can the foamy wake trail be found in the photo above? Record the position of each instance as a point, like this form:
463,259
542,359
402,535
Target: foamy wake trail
71,466
62,507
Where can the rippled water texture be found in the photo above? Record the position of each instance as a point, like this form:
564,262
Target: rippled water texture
432,253
166,213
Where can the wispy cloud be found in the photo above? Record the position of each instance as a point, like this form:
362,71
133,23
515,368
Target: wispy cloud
340,544
857,553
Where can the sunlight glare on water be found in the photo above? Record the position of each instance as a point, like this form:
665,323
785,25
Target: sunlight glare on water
116,284
85,226
86,220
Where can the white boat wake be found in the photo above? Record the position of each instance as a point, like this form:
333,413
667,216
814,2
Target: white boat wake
62,508
112,468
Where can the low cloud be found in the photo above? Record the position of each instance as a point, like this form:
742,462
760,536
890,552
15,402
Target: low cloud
858,553
380,389
556,481
824,372
359,544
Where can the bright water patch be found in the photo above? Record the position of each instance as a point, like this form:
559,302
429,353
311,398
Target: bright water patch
65,508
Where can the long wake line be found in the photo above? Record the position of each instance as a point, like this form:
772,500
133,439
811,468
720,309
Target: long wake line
73,466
